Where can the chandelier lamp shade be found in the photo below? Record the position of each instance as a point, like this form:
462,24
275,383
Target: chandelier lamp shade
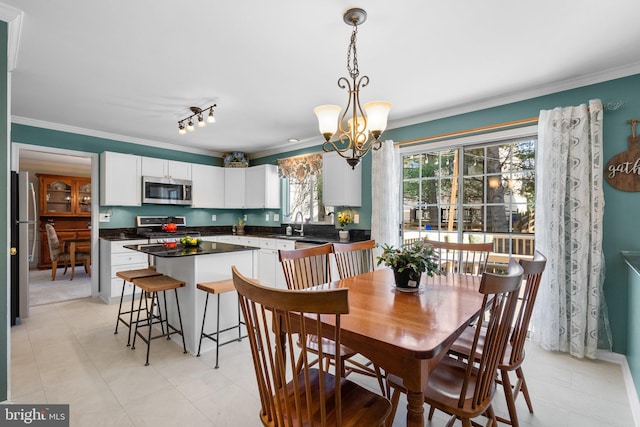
358,129
199,114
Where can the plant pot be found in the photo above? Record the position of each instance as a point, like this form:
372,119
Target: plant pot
406,279
240,230
344,235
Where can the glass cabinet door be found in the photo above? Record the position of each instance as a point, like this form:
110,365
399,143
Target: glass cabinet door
84,197
58,198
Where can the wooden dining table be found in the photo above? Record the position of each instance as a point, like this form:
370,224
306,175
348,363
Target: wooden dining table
407,333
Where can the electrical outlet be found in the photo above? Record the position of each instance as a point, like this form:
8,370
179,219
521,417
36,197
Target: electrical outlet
213,218
104,217
266,217
356,219
276,217
245,218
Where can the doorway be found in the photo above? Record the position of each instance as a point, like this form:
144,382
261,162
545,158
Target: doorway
60,162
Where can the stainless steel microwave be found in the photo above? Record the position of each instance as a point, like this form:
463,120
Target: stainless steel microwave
166,191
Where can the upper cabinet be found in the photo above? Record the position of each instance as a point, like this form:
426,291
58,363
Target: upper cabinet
120,179
207,187
166,168
234,188
342,186
262,187
64,195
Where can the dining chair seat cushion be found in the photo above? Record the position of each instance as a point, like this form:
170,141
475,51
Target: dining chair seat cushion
364,407
445,385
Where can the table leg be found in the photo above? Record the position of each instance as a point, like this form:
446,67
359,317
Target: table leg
415,409
72,257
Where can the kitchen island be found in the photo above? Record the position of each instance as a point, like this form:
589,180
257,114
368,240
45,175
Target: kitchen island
207,262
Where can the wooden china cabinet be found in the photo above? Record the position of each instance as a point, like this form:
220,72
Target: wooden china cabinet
65,203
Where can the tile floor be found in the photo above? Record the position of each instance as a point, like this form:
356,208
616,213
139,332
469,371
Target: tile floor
67,353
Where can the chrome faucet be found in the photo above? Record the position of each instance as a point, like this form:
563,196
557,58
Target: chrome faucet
295,220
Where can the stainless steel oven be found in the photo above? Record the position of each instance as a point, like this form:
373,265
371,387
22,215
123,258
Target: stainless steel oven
166,191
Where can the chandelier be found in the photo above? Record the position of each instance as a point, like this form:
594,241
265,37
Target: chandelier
359,128
199,112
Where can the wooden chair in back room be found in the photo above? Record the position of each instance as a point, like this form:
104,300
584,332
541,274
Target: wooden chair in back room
58,254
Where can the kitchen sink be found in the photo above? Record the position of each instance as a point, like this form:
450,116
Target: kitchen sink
302,239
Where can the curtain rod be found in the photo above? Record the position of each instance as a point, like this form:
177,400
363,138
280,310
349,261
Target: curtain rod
613,105
528,121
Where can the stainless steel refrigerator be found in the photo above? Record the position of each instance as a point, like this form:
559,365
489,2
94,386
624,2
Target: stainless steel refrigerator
23,242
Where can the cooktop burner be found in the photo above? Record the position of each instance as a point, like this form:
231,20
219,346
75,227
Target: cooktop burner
151,227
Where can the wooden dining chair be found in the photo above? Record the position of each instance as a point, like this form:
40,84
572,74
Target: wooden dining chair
309,396
514,353
57,253
353,259
466,390
304,268
462,258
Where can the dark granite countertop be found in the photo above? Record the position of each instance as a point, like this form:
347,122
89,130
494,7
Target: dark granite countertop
179,250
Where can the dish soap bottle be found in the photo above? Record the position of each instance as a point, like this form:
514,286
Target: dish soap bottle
289,230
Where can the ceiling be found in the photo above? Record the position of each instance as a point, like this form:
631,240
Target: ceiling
129,70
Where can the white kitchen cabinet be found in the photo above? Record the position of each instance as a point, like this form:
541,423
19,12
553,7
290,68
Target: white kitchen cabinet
269,269
262,187
341,185
120,179
234,188
166,168
114,257
207,187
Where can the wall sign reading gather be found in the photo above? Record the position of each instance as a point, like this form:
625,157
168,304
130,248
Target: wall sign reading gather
623,169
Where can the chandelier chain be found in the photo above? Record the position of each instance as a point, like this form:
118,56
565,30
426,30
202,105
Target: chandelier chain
353,71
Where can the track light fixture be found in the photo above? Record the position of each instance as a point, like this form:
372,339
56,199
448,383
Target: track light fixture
199,113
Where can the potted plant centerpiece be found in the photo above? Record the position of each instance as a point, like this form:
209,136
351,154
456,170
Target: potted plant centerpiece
409,262
344,218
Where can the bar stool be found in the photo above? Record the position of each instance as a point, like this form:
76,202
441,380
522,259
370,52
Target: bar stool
151,286
217,288
130,276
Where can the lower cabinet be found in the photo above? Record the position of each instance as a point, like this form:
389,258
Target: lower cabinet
114,257
269,270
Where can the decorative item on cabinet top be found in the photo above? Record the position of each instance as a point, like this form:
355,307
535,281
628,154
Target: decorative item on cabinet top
237,159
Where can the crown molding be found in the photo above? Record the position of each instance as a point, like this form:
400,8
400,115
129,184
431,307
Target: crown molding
283,148
548,89
111,136
13,17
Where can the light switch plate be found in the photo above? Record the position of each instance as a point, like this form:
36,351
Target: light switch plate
266,217
104,217
356,219
276,217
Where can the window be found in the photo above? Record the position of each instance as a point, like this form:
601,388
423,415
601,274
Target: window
303,187
473,193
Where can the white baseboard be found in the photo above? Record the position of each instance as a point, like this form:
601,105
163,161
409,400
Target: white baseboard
632,393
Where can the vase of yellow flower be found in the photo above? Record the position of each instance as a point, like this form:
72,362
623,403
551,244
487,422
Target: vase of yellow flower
344,218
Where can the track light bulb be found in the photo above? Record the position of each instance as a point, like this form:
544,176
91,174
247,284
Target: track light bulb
201,122
181,129
211,118
190,127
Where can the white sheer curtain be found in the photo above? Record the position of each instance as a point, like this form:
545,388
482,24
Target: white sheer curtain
385,190
570,313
